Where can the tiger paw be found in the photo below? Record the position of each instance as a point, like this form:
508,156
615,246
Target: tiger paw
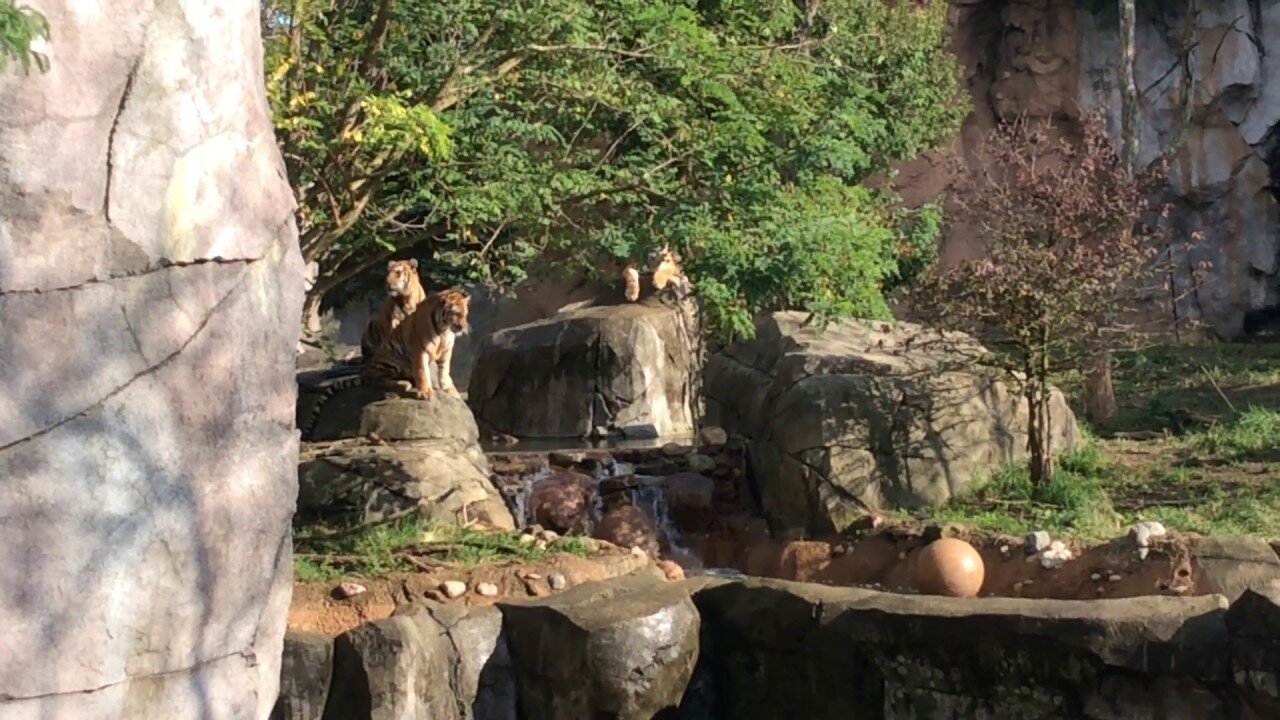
426,394
451,391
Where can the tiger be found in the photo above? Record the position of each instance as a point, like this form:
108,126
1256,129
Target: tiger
664,263
404,293
426,335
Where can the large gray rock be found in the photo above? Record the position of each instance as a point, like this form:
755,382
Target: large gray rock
428,456
305,671
621,649
150,289
627,368
865,416
398,668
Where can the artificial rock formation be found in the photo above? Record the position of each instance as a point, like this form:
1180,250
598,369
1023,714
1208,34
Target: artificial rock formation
427,456
865,416
150,289
615,368
1057,58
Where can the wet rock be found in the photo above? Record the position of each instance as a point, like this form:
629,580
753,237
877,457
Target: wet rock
627,526
675,450
305,671
622,649
562,501
700,463
690,500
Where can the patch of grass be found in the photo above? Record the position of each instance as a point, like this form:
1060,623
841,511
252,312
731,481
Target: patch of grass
1254,435
325,554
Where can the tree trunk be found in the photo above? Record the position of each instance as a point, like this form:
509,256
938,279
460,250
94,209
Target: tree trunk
1100,393
1039,462
311,310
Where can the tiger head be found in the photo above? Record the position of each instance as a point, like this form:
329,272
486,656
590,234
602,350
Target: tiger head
453,310
663,256
401,276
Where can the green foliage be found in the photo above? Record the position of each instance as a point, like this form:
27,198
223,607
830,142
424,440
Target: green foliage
1254,435
20,26
539,135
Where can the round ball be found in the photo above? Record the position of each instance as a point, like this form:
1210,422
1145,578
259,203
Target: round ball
949,567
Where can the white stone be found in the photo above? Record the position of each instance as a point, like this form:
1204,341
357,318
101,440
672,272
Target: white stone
485,589
557,581
453,588
350,589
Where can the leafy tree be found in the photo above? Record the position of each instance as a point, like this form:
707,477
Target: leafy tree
19,27
1070,252
507,137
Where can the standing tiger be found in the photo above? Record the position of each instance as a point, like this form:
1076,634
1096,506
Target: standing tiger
664,263
404,293
427,335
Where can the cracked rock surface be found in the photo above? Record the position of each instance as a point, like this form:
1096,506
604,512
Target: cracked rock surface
865,416
622,368
150,285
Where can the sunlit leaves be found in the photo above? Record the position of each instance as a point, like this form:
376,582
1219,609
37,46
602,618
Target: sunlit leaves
20,26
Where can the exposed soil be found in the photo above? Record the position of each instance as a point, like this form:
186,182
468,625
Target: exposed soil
316,608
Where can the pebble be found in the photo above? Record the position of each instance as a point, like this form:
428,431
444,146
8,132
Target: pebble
1115,578
453,588
1143,552
1144,532
485,589
350,589
557,581
674,450
712,436
1037,541
533,576
1095,577
1004,549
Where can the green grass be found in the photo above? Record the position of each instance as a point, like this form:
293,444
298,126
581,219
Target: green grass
382,549
1219,481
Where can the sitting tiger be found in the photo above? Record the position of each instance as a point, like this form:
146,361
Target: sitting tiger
404,292
667,273
426,335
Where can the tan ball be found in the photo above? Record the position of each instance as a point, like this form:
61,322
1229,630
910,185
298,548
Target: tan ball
949,567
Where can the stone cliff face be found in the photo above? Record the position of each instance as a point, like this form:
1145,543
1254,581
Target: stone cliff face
1056,58
150,288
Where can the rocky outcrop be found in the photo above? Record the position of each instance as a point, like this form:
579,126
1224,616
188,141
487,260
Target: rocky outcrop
864,416
426,455
617,369
150,289
626,648
1055,58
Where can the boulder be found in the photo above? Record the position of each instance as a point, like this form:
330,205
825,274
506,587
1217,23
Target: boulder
562,501
865,416
427,455
399,667
621,649
483,678
622,368
630,527
150,290
305,672
1229,566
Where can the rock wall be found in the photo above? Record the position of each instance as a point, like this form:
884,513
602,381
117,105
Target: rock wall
627,648
1055,58
150,289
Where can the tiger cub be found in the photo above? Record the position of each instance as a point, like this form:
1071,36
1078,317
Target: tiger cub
404,292
427,335
664,263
